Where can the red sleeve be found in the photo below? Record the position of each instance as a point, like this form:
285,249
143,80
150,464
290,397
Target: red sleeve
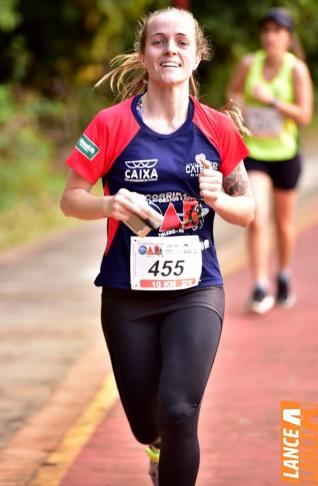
88,156
102,141
232,147
222,132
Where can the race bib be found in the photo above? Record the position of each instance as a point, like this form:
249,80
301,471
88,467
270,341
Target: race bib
264,121
165,263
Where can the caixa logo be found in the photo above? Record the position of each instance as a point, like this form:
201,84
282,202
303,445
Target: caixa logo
141,170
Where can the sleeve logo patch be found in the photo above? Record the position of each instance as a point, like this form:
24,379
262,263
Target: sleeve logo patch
87,147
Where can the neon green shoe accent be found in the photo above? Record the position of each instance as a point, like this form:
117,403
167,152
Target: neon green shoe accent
153,453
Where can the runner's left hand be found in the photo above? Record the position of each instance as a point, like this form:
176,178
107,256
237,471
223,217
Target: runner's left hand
210,182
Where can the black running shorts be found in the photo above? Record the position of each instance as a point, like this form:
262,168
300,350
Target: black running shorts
284,174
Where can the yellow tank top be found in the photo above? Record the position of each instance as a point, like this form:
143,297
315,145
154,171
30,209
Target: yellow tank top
274,137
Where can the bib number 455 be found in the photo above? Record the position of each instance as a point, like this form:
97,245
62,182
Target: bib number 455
167,267
165,263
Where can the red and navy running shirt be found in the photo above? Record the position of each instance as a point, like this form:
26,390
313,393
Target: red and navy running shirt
124,152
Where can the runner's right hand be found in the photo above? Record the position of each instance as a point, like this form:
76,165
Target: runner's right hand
121,205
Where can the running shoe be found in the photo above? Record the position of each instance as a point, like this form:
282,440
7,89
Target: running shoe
153,471
261,301
284,295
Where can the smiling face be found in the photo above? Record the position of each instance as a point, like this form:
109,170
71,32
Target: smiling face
170,53
274,38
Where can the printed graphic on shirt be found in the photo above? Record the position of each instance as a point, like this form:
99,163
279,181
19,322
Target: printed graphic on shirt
194,169
166,197
156,250
141,170
180,217
87,147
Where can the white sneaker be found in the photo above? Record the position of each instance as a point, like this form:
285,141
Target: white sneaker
260,301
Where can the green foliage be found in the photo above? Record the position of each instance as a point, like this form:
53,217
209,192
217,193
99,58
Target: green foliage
29,184
58,47
60,44
232,27
9,16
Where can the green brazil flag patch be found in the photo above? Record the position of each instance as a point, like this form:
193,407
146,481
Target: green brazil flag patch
87,147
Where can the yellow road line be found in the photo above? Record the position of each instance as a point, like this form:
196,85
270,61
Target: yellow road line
58,463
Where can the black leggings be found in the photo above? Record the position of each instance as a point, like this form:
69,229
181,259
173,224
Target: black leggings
162,351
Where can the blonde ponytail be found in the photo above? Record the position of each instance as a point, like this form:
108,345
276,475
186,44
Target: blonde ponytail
232,109
128,77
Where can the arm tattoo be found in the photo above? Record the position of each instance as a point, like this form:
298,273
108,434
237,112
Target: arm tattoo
236,183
